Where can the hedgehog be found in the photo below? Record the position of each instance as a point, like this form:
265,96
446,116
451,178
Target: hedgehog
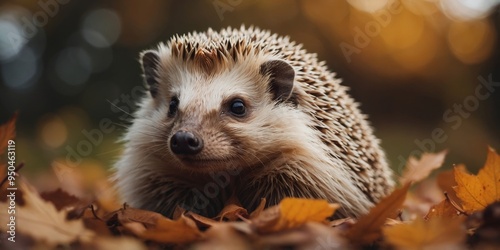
246,113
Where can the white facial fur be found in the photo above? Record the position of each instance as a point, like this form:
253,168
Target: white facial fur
203,108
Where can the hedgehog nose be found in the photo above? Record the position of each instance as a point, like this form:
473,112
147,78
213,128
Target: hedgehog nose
183,142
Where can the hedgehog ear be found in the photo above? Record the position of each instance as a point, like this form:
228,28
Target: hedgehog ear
150,61
281,75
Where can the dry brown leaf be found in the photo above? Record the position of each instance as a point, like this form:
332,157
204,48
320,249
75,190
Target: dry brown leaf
148,218
424,195
419,234
94,223
178,211
368,227
7,132
268,218
348,222
136,228
113,243
446,182
324,237
60,198
259,208
106,196
477,192
201,220
179,231
70,178
292,213
418,169
223,236
443,210
232,210
312,235
41,220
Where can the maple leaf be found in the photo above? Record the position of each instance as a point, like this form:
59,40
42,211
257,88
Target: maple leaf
7,132
476,192
368,227
419,234
292,213
418,169
41,220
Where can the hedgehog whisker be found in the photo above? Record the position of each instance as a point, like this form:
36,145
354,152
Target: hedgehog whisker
116,106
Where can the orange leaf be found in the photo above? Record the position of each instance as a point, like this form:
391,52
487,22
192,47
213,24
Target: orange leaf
7,132
443,210
446,182
477,192
418,169
368,227
179,231
201,220
292,213
130,214
419,234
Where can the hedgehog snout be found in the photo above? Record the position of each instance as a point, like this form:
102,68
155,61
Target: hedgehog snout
185,143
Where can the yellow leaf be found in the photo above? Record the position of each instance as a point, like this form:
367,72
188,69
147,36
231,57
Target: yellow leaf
368,227
419,234
418,169
40,220
292,213
179,231
477,192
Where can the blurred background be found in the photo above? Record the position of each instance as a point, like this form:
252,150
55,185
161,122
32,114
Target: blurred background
426,71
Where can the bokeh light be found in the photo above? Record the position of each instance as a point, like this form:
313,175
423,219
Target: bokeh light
101,28
53,132
13,36
21,71
369,6
73,66
471,42
467,9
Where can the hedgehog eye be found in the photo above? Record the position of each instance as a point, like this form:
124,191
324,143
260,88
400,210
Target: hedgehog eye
237,108
173,106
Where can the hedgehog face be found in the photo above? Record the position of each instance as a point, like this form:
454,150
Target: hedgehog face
212,121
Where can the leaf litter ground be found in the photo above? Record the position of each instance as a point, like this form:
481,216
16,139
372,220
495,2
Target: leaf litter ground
455,210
